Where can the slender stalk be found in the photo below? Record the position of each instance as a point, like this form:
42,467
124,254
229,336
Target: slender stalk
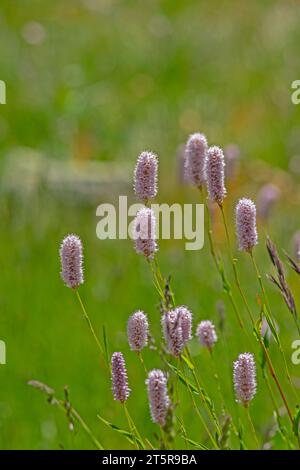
90,324
198,412
163,439
139,354
252,426
226,285
130,427
87,429
178,404
267,305
268,359
216,376
201,394
233,263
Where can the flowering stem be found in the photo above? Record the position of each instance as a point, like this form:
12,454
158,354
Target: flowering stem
252,426
268,359
90,324
164,441
130,426
235,273
226,285
267,305
135,429
178,402
201,393
139,354
198,411
216,376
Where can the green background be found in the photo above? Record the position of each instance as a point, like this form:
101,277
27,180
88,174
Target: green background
94,82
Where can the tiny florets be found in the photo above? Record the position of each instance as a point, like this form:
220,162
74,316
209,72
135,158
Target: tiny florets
215,164
246,224
207,334
244,378
158,396
71,257
145,176
137,331
120,387
195,158
144,232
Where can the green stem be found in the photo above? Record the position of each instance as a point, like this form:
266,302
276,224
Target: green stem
83,424
252,426
90,324
198,411
267,305
139,354
201,394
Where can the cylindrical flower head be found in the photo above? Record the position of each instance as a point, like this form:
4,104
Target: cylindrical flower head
215,164
145,176
120,387
195,158
246,224
137,331
158,396
173,333
71,261
244,378
185,318
144,232
207,334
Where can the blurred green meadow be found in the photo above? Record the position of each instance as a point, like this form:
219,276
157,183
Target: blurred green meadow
90,84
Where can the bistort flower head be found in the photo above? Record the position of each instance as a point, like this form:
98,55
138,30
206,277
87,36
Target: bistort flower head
244,378
172,331
145,176
176,326
195,158
137,331
144,232
246,224
158,396
215,164
71,261
185,318
207,334
120,387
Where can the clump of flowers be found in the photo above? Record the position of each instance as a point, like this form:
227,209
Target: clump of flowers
215,164
158,396
145,176
246,224
144,233
176,326
71,256
244,378
119,378
195,158
206,334
137,331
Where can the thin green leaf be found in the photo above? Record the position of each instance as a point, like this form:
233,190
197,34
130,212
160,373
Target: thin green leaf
271,325
183,380
128,435
105,342
296,422
188,362
194,443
